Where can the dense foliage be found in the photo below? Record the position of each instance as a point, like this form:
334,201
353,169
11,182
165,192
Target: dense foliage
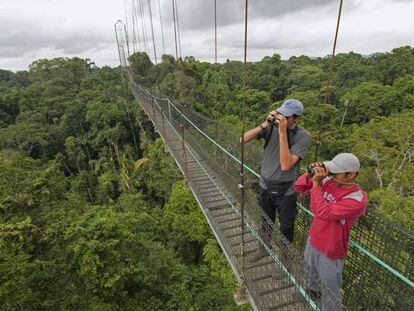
93,212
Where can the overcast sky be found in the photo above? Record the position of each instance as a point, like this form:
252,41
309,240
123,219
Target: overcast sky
34,29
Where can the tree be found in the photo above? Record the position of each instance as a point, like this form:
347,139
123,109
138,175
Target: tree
179,87
385,148
370,99
396,64
184,224
141,65
26,137
158,174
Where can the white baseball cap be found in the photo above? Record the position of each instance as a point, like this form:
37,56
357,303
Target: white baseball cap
343,163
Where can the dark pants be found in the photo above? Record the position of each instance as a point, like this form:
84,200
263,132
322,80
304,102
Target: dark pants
286,210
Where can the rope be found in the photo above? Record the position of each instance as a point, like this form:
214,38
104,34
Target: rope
162,28
328,84
242,139
152,31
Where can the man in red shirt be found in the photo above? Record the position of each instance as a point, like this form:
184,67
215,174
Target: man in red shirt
336,201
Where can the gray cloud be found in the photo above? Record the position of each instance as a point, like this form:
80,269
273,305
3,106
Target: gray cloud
23,37
32,29
200,14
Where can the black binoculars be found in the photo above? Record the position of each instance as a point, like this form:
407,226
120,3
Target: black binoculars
311,171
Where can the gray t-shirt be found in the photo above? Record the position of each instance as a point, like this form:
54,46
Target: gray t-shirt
299,141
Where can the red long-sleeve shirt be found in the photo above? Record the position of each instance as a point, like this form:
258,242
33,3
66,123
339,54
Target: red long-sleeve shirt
335,210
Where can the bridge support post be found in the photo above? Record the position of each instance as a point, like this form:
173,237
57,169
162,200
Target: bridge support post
169,111
153,110
216,133
184,156
163,126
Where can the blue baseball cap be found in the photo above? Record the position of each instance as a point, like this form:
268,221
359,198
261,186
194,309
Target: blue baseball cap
291,107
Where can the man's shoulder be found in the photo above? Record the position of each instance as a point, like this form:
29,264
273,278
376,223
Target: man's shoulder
302,132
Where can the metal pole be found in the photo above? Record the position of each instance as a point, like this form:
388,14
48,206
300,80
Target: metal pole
153,111
169,111
163,126
184,155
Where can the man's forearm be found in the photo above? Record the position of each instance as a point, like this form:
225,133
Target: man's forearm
251,134
286,158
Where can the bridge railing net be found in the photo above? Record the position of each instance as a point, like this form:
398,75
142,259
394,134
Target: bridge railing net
379,267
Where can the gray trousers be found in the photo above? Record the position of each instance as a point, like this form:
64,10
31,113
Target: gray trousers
321,269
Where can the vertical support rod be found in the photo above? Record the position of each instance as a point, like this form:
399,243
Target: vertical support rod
163,125
152,31
328,84
215,31
242,140
162,28
184,155
153,111
169,112
175,31
216,135
127,41
241,292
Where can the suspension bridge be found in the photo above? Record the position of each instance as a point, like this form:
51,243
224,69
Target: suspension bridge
379,269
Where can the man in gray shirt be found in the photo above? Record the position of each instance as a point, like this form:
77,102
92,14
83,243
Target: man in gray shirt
285,144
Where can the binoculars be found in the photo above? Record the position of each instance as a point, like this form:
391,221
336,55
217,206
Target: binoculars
311,171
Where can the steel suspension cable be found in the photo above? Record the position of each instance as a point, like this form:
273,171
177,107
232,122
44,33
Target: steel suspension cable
215,52
328,84
215,32
162,28
241,186
136,23
152,31
175,31
144,30
134,35
178,28
126,18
